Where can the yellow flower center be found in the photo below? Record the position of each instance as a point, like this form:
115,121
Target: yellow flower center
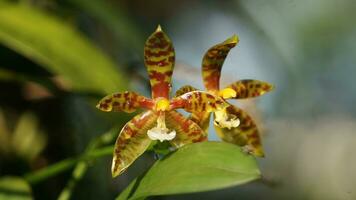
162,104
227,93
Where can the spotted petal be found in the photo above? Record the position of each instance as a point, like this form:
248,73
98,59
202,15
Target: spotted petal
185,89
159,61
245,135
213,61
202,119
187,131
198,101
250,88
132,141
124,101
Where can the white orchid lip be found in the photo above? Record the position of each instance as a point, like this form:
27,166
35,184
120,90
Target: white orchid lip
161,132
225,120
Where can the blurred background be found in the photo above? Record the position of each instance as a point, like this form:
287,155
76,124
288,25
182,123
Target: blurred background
58,57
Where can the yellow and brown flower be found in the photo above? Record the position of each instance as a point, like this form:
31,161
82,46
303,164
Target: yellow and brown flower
232,124
160,121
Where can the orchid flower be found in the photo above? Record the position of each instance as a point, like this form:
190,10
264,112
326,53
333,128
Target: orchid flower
232,124
160,122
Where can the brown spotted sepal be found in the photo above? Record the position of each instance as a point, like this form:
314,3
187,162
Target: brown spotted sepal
245,135
198,101
132,141
185,89
213,61
200,118
187,131
159,60
249,88
124,101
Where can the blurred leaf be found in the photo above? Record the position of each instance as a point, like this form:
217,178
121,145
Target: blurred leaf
55,45
195,168
27,140
4,135
13,188
115,19
11,76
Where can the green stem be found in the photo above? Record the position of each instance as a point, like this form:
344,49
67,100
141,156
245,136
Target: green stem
61,166
80,169
82,166
92,151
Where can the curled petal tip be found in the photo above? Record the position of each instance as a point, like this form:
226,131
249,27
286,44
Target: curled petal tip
235,38
232,40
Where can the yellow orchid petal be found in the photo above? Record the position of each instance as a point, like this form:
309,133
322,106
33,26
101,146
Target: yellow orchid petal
213,61
132,141
198,101
187,131
124,101
159,60
249,88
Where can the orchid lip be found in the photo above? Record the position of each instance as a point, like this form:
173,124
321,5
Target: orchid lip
225,120
161,132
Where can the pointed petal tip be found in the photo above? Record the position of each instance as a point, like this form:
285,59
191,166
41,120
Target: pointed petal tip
159,28
234,39
103,107
272,87
98,106
114,174
269,87
114,171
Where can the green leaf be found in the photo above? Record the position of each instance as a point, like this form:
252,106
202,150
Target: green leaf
13,188
115,18
195,168
57,46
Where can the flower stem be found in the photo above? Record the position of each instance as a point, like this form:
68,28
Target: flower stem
93,151
66,164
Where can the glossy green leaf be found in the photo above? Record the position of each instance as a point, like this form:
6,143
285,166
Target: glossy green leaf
13,188
57,46
195,168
